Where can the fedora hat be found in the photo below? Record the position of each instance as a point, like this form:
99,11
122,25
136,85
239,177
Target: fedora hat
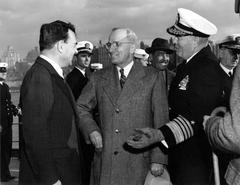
159,44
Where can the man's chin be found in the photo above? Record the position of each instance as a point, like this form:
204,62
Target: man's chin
114,61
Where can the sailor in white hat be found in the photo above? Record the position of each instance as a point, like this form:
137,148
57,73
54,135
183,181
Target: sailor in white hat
141,56
77,78
7,111
3,71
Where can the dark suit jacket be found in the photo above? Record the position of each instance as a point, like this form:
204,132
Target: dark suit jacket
224,133
76,80
194,92
49,127
141,103
6,107
227,87
168,77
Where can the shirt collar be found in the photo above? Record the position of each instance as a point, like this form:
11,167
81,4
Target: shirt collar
127,69
226,70
1,82
82,71
53,64
191,57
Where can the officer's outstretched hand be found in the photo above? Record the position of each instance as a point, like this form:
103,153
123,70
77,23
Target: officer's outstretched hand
144,137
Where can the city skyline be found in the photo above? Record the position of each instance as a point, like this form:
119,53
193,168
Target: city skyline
20,21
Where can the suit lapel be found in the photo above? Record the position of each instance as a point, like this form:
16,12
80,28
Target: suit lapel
59,80
112,85
132,84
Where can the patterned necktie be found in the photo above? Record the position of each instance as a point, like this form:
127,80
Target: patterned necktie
123,78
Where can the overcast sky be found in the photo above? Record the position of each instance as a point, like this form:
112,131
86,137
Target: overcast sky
20,20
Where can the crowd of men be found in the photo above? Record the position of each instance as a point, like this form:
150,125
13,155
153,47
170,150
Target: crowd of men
134,121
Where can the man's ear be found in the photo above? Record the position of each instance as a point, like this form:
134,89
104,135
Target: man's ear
60,46
132,48
221,53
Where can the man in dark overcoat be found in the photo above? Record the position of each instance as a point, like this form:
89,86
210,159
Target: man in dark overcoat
195,91
128,95
50,153
7,110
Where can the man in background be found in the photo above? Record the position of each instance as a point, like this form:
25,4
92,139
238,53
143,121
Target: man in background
159,55
229,58
141,56
8,110
77,79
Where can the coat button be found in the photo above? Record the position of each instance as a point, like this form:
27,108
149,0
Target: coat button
115,152
117,110
117,131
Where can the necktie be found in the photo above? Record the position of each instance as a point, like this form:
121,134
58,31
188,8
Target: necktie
230,74
123,78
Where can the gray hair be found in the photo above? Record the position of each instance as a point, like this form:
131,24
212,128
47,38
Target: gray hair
131,36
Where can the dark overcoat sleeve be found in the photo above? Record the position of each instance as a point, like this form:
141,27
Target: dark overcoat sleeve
37,101
86,103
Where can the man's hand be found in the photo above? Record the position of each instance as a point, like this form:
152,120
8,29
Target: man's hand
219,111
96,140
157,169
58,183
145,137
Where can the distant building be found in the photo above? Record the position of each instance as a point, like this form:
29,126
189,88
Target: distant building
10,56
100,55
32,55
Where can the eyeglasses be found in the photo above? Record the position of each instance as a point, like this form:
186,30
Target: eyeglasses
115,44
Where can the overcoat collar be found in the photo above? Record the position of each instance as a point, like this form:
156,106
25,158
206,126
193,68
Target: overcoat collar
60,82
133,83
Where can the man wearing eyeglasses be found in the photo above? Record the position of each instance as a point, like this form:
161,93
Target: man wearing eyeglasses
50,153
128,95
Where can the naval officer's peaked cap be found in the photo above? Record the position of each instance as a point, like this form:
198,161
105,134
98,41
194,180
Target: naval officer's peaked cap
190,23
